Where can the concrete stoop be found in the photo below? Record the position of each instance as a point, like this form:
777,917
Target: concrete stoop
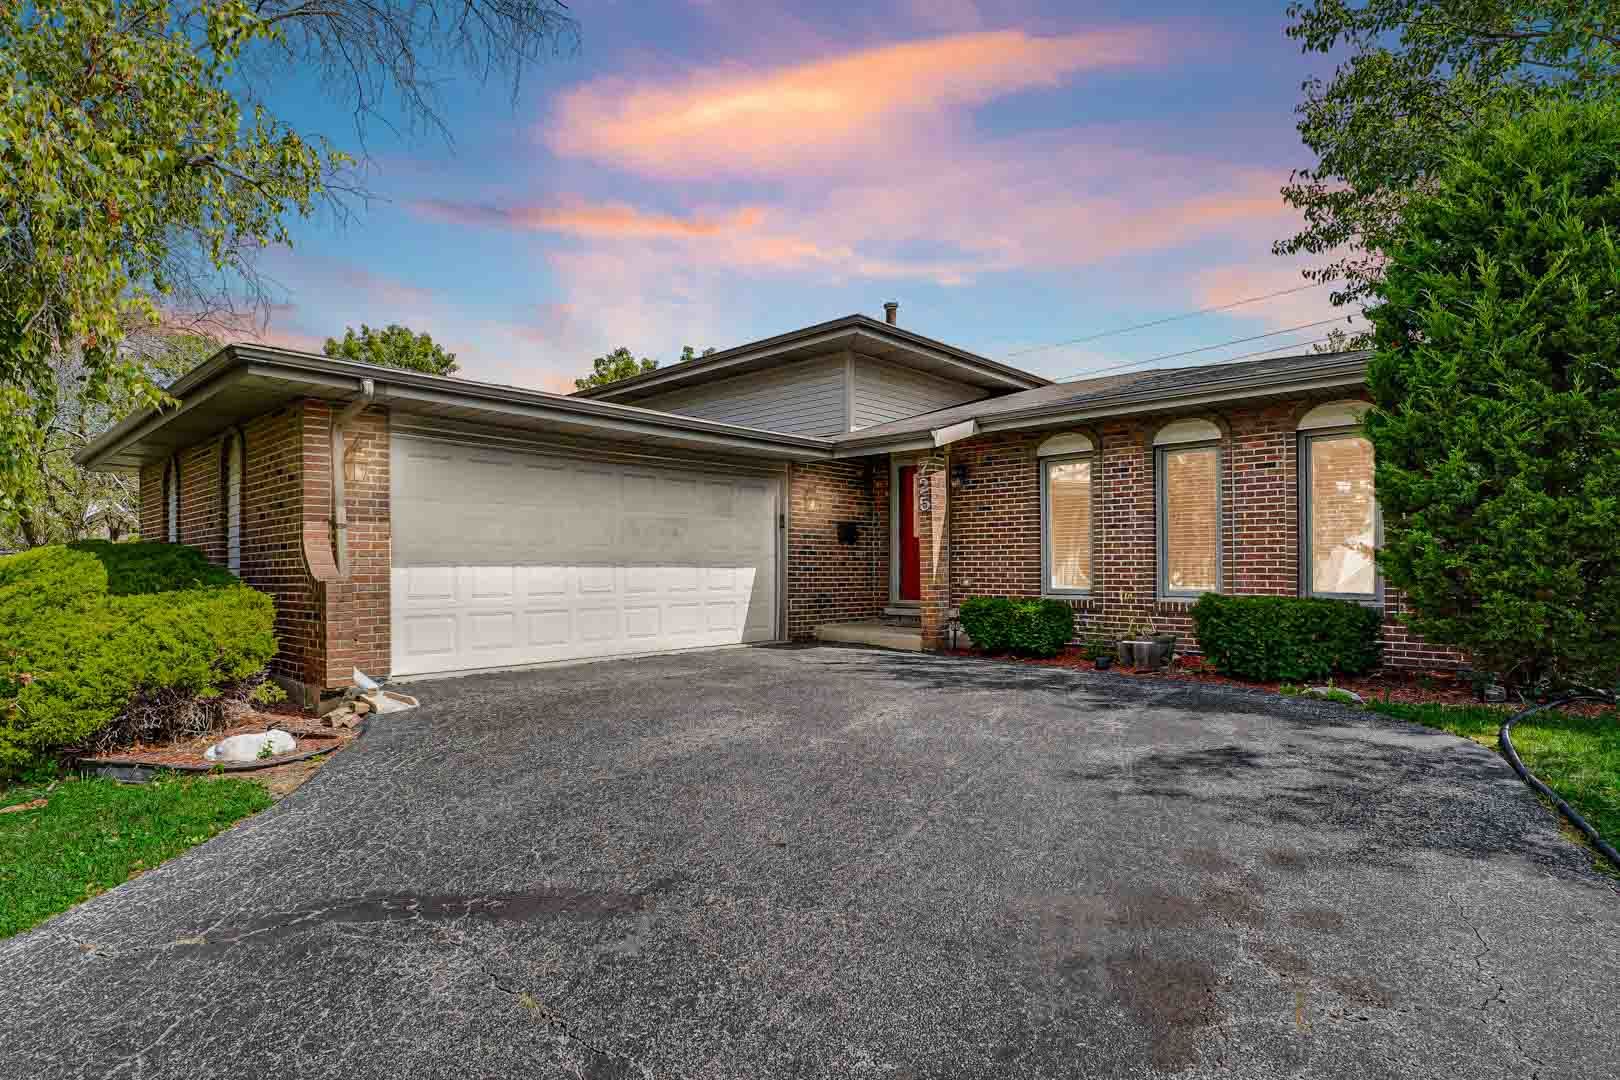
887,635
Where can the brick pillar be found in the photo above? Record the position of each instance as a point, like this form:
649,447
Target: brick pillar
933,524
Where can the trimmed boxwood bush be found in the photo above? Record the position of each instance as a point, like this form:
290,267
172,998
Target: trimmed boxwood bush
1286,637
1028,627
100,641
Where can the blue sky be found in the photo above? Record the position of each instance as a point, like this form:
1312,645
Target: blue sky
713,171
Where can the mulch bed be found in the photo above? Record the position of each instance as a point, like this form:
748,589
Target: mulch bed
309,731
1389,684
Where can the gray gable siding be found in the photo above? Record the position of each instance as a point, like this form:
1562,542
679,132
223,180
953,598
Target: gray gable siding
806,398
886,392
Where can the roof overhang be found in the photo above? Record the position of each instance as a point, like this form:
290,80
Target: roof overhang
1346,372
853,333
243,381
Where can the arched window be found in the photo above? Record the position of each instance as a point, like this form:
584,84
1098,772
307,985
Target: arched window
1066,485
171,501
1187,483
231,485
1339,524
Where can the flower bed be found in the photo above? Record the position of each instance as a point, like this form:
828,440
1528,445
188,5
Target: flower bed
1386,684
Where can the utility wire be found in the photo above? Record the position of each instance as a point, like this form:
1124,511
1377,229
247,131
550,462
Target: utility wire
1169,319
1200,349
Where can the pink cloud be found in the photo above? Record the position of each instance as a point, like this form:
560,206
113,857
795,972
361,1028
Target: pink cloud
611,220
1222,285
741,121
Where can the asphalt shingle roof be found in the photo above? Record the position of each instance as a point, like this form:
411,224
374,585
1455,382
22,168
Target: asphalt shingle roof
1165,382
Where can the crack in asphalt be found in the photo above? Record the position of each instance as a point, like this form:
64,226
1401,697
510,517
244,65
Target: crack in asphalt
554,1020
1500,998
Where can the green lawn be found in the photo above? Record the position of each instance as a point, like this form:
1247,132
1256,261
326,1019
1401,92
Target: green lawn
94,834
1576,756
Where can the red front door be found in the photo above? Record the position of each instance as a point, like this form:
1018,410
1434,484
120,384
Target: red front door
908,548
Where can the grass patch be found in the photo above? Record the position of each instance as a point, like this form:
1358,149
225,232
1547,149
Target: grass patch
1576,756
93,834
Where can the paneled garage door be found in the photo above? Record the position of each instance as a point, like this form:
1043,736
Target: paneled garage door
503,557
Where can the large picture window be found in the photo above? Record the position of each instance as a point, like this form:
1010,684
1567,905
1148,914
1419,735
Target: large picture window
1340,526
1066,523
1189,518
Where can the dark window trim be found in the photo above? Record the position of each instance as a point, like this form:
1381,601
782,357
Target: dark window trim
1091,458
1306,584
1161,519
171,500
233,437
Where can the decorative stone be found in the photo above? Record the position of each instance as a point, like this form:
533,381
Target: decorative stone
1333,693
250,747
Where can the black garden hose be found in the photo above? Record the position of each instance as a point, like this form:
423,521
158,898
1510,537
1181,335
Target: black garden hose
1505,739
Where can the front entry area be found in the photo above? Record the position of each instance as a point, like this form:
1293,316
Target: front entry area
907,546
504,557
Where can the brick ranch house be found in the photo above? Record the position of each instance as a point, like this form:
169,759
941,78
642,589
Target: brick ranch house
850,480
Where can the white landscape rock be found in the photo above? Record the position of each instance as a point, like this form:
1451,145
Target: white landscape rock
250,747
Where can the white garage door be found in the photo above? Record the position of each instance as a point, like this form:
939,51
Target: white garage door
503,557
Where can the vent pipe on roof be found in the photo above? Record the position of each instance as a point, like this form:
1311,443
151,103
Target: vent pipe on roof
891,312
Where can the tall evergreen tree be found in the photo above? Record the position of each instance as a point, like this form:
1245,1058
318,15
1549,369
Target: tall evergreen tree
1497,381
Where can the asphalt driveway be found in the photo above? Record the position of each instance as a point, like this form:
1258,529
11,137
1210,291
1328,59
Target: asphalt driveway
836,862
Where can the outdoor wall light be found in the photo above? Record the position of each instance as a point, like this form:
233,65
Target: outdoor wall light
959,475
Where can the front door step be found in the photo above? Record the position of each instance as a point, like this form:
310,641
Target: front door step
873,632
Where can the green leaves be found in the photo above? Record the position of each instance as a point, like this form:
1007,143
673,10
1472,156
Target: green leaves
91,627
618,364
395,346
1497,375
1420,73
1286,637
122,151
1000,624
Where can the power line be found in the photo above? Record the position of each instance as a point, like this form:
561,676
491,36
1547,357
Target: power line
1168,319
1202,349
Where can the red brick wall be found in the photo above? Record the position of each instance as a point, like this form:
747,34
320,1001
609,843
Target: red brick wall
995,525
325,628
355,633
151,508
1263,500
996,518
201,523
828,581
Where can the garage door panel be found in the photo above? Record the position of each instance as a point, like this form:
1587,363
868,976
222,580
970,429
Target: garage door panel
430,635
642,622
548,627
598,623
429,583
491,630
486,583
596,579
503,557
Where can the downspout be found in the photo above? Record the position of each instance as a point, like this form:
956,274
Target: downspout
340,513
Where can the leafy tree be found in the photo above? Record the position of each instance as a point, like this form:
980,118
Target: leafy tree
142,166
1419,74
74,503
1497,381
396,347
621,363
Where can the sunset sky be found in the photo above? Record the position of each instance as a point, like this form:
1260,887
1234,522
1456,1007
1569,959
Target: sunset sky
708,172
